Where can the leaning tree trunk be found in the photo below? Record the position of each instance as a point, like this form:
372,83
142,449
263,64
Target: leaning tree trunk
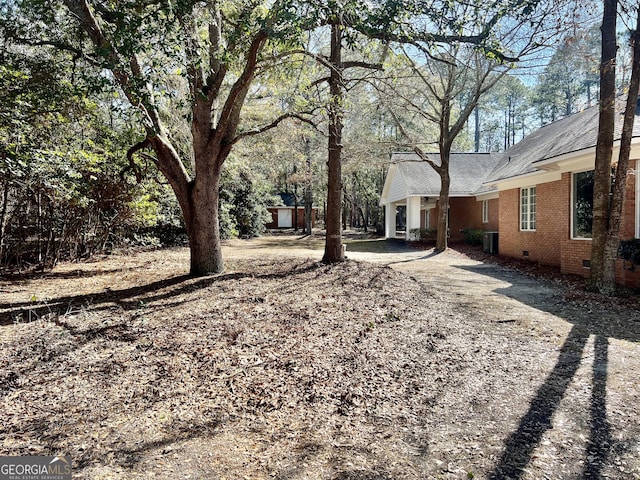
333,242
604,147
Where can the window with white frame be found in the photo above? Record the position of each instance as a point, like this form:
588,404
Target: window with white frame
528,208
485,211
582,204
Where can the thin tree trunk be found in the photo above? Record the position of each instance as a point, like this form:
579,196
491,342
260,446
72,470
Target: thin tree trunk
443,212
3,218
295,207
308,191
477,129
333,243
39,224
364,219
345,212
620,185
604,147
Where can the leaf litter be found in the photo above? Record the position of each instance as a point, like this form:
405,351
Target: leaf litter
289,368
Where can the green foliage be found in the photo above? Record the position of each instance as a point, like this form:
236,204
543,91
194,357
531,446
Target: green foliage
472,236
570,80
62,195
243,211
228,225
629,251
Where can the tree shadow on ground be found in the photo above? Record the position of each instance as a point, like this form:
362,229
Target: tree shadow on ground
520,446
594,318
382,245
68,275
128,298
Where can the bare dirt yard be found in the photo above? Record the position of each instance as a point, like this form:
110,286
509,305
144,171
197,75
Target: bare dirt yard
398,364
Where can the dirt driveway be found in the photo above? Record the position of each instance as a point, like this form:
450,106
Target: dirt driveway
566,364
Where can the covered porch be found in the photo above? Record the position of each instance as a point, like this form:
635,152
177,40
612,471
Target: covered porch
404,218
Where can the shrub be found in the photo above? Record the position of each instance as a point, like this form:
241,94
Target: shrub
472,236
629,251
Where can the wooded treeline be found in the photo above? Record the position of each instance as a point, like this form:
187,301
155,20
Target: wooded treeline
108,107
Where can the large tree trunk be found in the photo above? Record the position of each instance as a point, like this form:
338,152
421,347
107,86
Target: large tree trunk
215,110
198,200
3,215
604,148
333,243
204,229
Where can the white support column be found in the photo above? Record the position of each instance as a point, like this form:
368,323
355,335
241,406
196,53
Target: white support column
413,217
390,220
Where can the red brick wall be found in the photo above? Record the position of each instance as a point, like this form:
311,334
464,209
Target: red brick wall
465,212
551,243
543,244
494,215
433,218
628,230
274,217
576,251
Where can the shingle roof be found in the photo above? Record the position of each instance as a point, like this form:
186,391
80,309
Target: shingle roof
473,173
570,134
467,171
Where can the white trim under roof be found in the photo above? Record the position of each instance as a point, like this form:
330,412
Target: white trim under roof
493,194
559,161
581,159
527,180
385,188
551,169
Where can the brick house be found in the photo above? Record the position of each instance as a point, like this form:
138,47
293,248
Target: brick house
288,215
411,190
545,186
538,194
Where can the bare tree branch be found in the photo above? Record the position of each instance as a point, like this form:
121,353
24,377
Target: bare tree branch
300,116
132,164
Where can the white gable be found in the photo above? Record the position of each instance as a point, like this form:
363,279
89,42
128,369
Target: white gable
395,186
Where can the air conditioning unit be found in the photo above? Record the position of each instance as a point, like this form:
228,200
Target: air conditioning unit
490,242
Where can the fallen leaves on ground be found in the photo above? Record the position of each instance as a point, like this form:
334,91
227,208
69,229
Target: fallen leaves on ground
277,368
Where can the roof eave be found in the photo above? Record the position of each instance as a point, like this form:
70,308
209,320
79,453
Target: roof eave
525,179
